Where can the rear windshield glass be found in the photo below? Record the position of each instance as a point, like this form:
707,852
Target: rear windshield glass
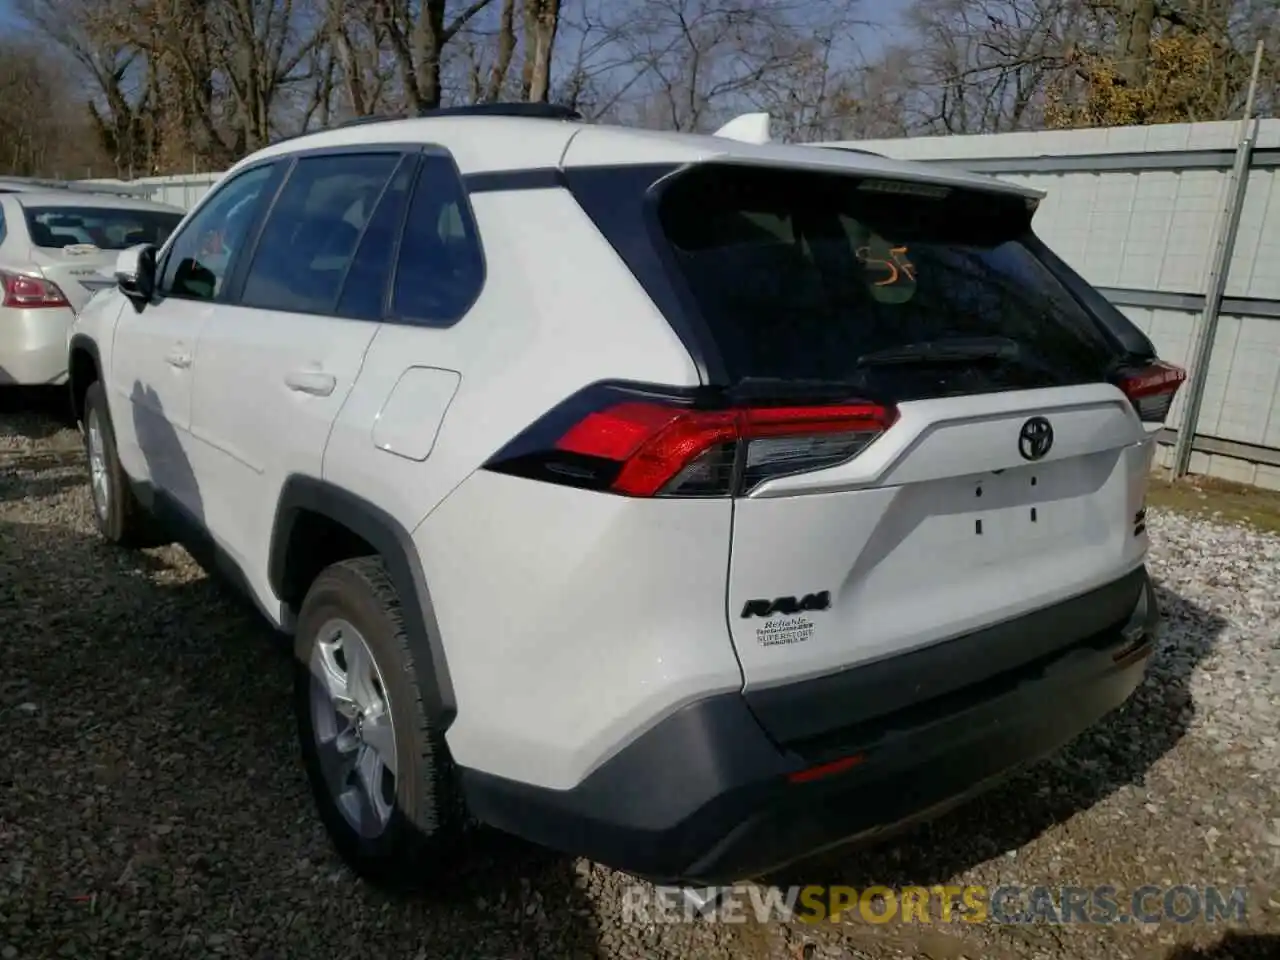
804,275
104,227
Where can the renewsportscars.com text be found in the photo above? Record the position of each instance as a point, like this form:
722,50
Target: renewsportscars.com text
1005,904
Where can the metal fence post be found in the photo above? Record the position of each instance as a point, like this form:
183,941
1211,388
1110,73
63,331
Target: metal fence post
1229,226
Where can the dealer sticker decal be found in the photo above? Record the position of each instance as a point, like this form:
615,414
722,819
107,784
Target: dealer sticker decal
786,631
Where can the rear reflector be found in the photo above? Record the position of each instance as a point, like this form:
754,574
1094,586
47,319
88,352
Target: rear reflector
1151,390
823,770
27,293
654,446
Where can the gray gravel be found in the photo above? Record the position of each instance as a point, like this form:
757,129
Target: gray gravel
152,805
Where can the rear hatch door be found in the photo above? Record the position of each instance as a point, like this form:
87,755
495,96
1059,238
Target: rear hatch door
1007,470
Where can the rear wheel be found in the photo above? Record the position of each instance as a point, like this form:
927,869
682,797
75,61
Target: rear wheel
120,518
381,775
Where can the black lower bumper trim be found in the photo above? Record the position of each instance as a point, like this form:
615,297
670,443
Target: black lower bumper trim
942,671
705,795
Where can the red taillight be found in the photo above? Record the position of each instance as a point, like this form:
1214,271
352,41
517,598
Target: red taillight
26,293
645,447
652,442
1151,390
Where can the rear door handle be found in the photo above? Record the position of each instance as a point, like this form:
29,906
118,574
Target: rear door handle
178,358
311,381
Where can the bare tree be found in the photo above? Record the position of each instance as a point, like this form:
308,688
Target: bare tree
179,84
348,70
984,66
44,127
185,82
690,64
989,66
121,93
261,48
417,33
822,89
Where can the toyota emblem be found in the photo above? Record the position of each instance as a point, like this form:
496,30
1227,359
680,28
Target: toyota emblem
1035,439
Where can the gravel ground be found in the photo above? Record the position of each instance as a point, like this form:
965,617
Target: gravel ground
151,802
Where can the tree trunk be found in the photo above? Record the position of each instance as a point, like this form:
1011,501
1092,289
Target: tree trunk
541,20
1133,40
506,51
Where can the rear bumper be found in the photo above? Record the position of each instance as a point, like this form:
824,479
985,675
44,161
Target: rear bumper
707,796
33,346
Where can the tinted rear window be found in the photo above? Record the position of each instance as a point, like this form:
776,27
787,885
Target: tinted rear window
105,227
798,275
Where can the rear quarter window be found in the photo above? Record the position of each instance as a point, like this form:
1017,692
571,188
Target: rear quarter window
440,269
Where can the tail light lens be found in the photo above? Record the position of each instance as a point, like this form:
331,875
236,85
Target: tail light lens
643,445
27,293
1151,390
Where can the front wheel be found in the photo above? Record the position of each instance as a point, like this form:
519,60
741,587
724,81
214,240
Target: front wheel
118,515
382,779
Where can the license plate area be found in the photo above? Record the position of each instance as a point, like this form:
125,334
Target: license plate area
1025,511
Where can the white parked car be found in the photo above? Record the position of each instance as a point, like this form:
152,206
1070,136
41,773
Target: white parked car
678,502
54,249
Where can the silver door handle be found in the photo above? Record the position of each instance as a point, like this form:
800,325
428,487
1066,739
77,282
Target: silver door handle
312,382
178,359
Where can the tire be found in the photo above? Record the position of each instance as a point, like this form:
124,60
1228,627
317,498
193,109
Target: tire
120,518
399,832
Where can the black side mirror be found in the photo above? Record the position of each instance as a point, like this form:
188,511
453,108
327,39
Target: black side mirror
136,274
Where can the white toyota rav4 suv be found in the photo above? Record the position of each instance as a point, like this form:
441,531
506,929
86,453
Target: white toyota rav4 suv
682,503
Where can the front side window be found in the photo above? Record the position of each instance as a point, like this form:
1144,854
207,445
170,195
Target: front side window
200,259
310,236
107,228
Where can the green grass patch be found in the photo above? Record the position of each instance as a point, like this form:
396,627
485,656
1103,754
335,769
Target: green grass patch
1220,499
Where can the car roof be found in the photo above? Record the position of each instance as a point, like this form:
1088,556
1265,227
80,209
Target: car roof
88,201
491,144
43,184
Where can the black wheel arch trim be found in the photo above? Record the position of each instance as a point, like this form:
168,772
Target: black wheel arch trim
395,545
80,341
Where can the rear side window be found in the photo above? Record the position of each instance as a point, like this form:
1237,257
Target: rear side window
440,270
364,290
800,275
311,233
106,228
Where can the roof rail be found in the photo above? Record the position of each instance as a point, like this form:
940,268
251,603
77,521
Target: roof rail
537,111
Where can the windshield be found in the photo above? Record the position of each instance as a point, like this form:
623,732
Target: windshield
801,274
104,227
